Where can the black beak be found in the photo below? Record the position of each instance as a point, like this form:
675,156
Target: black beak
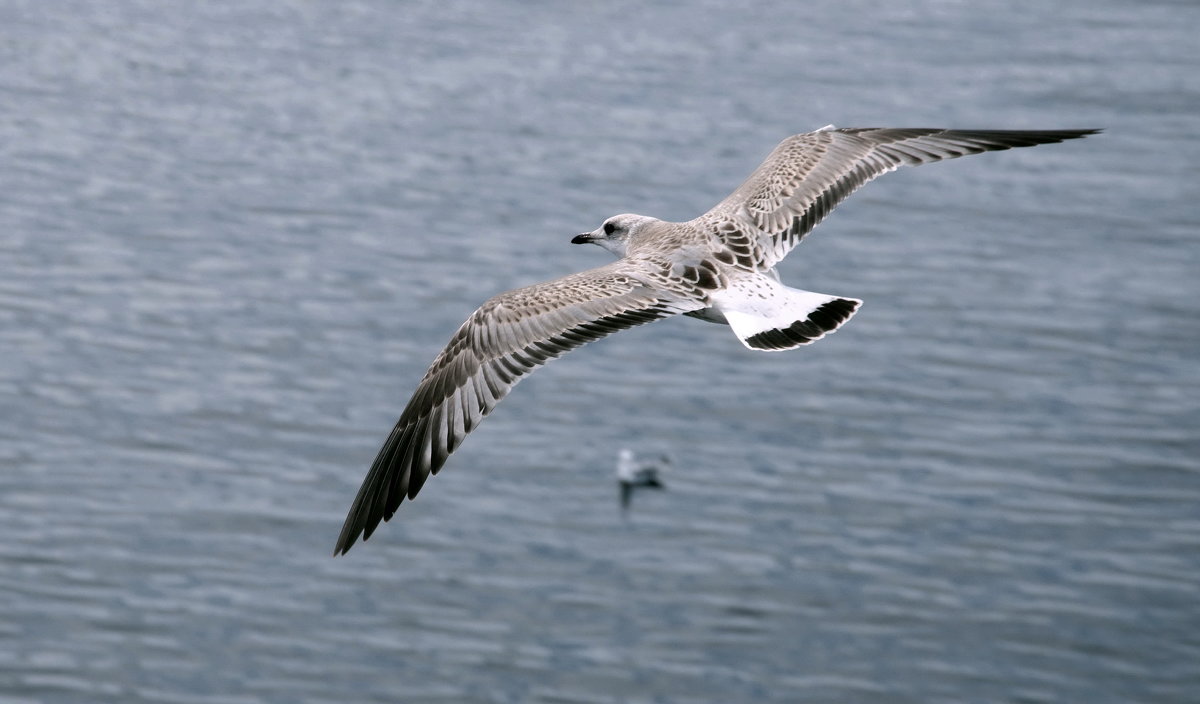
582,239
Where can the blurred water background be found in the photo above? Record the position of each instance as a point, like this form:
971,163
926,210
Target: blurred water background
233,235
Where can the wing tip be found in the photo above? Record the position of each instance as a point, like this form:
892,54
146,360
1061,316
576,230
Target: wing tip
370,506
358,524
346,540
1004,139
1049,136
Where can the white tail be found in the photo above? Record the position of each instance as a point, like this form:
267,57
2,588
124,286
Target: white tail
766,315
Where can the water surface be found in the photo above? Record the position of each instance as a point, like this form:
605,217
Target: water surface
233,237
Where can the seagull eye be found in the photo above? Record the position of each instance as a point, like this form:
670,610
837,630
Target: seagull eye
609,227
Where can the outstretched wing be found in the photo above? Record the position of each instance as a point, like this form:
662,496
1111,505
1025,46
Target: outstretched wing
504,340
802,180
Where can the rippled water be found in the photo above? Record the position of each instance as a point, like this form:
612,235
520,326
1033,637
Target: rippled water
233,235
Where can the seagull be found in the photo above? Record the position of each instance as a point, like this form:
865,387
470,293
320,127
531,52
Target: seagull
719,267
632,474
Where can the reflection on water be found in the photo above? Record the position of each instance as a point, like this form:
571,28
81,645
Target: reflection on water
232,238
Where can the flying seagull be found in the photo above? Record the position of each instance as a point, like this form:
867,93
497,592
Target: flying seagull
718,267
633,474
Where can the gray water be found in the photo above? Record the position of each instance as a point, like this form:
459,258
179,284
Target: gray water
233,235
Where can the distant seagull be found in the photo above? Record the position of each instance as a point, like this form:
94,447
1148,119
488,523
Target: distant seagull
718,267
633,473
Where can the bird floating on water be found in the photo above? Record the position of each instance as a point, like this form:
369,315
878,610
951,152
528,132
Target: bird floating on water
633,473
718,267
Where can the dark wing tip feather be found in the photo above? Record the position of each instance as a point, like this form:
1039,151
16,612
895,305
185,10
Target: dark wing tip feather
992,140
913,146
411,453
1017,138
370,504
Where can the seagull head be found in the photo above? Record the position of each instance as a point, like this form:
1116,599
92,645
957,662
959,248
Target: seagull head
615,233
